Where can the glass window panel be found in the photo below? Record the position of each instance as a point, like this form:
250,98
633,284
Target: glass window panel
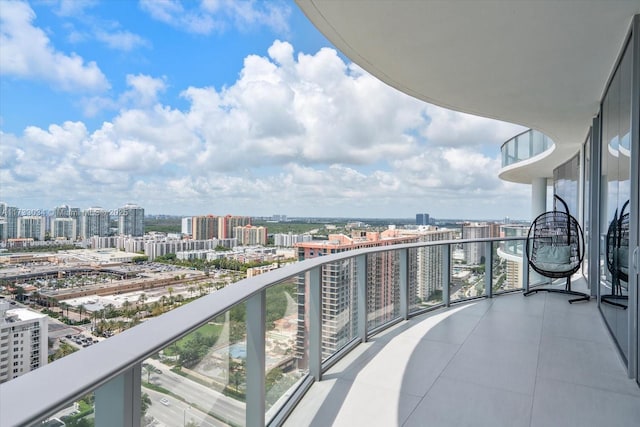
383,288
200,378
284,366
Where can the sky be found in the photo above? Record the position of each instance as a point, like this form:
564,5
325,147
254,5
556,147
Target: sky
225,107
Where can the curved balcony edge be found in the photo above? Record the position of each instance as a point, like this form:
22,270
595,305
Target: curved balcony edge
39,394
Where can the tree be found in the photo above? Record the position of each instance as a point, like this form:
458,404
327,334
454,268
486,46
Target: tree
126,305
149,369
145,403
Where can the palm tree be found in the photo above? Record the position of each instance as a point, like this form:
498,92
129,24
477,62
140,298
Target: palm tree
126,305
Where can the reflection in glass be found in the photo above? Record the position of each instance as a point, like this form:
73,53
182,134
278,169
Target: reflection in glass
200,378
617,253
614,196
284,366
468,277
383,288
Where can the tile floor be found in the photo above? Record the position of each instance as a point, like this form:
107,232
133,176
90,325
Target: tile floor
507,361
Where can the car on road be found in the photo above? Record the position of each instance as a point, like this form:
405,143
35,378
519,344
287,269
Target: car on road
164,401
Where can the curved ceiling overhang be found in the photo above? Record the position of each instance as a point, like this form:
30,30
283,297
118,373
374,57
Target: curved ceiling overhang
540,64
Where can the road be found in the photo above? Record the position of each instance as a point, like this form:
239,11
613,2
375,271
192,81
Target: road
203,397
177,413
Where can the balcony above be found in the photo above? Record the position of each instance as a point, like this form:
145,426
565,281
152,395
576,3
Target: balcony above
531,154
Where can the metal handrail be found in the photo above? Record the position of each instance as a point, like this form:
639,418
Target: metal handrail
35,396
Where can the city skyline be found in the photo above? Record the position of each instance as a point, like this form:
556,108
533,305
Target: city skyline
190,109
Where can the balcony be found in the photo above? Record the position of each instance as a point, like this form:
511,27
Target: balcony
530,155
524,146
393,350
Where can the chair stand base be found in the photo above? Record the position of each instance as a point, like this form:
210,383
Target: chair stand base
583,296
607,300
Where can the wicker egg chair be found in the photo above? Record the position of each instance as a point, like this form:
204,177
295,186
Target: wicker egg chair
555,249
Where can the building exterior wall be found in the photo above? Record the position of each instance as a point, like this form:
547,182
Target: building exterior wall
94,222
31,227
131,220
23,341
474,252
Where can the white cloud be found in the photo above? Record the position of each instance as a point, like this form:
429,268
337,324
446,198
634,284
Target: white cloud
28,54
121,40
304,135
211,16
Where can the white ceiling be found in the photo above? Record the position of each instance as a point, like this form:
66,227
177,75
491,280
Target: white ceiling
541,64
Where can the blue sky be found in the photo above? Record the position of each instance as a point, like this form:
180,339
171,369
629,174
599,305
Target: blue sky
225,107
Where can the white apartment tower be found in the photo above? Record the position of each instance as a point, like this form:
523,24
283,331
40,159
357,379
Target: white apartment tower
474,252
187,226
94,222
64,228
31,227
131,220
23,341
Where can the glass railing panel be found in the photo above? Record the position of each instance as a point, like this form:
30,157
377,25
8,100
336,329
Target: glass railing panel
79,413
286,355
507,266
467,278
425,291
339,305
524,146
383,288
199,379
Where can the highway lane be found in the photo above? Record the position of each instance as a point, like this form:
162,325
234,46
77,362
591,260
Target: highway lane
205,398
177,413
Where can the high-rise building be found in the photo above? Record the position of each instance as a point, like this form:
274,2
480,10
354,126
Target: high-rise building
430,260
23,341
64,228
63,211
249,235
474,252
131,220
31,227
205,227
230,222
187,228
10,214
94,222
3,230
422,219
338,281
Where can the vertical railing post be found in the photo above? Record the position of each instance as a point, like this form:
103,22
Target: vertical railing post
488,269
404,284
525,267
255,394
361,277
118,402
315,323
446,274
